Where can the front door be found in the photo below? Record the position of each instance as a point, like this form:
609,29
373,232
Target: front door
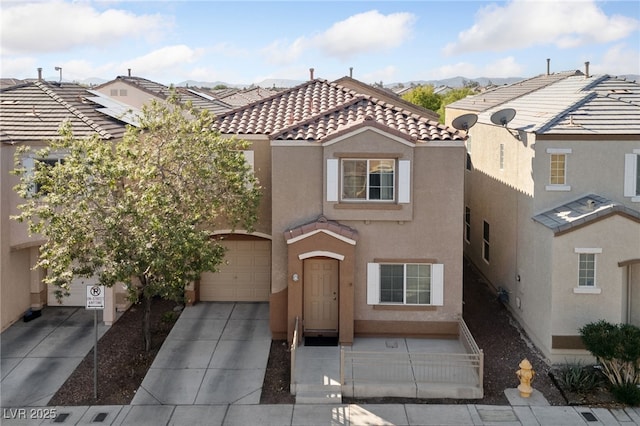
321,295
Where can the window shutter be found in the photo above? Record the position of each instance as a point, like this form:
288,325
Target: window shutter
373,283
404,181
437,284
630,173
29,165
332,179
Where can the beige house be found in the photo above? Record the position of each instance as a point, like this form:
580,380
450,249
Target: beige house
360,229
552,202
31,115
138,91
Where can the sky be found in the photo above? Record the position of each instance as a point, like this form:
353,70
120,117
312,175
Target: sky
245,42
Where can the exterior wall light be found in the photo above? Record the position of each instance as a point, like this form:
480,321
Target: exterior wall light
295,278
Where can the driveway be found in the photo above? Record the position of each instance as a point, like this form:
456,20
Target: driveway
38,356
216,353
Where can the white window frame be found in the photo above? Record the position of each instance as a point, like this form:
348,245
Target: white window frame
559,151
401,189
631,173
436,290
486,242
592,288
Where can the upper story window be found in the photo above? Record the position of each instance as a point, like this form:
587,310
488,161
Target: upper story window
558,169
113,92
467,224
405,283
375,180
632,175
369,180
486,246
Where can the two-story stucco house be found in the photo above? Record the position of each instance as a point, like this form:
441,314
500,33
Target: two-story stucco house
31,115
552,202
360,229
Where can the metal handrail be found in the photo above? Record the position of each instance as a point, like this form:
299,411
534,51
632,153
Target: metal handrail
294,347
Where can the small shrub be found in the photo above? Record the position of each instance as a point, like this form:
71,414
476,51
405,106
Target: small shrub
579,379
169,317
627,393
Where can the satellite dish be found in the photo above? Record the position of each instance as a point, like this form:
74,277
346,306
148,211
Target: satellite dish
502,117
464,122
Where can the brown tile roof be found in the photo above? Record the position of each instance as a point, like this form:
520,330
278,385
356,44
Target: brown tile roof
34,111
245,97
319,109
321,223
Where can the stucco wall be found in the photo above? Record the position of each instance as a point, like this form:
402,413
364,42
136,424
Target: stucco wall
134,96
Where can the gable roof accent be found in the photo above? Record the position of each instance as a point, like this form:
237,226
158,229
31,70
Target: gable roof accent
582,212
34,111
151,87
318,109
598,104
321,224
503,94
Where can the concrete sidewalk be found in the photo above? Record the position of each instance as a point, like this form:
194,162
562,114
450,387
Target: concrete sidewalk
38,356
330,414
216,353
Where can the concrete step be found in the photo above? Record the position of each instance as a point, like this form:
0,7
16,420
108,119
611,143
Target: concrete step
318,394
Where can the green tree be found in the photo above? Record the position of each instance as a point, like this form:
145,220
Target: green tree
139,210
424,97
452,96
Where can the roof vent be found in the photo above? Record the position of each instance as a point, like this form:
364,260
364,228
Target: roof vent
586,69
311,73
591,204
548,66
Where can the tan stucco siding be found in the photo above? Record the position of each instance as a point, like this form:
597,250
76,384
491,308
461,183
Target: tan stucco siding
619,239
15,289
131,96
592,167
298,172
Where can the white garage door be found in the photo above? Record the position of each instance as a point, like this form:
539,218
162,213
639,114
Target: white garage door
246,276
78,292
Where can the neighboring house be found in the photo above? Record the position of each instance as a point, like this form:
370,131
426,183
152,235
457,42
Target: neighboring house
360,229
31,115
552,204
138,91
244,97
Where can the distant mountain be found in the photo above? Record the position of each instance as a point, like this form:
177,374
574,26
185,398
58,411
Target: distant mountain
460,81
268,83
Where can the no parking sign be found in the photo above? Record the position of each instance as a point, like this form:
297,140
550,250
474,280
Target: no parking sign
95,297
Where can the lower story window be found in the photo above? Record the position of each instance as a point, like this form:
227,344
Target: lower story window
405,283
587,270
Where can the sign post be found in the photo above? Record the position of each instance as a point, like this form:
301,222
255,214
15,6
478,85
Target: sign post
95,301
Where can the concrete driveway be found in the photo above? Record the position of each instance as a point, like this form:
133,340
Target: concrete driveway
216,353
38,356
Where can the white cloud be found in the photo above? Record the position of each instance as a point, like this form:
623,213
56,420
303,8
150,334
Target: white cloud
361,33
525,23
15,67
503,67
163,61
58,26
366,32
618,60
386,75
281,53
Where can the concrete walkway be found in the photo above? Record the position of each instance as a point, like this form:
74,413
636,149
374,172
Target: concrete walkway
38,356
216,353
330,414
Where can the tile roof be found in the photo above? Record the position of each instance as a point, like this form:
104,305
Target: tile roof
581,212
577,105
321,224
198,99
319,109
245,97
502,94
34,111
